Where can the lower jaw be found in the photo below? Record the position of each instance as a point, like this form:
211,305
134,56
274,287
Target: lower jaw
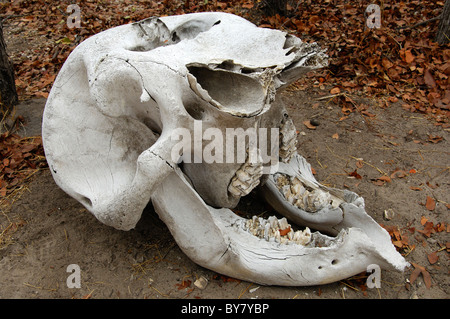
224,242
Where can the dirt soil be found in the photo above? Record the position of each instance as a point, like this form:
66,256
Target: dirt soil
53,231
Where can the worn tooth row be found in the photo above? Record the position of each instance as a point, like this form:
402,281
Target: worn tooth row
288,140
246,178
297,194
276,230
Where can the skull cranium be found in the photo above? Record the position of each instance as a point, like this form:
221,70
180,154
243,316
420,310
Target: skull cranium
108,133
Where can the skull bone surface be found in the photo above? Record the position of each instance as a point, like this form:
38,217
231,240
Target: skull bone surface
144,112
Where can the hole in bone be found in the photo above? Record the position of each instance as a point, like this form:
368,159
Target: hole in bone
194,109
236,93
292,50
291,44
334,261
150,34
175,37
249,71
192,28
228,65
84,200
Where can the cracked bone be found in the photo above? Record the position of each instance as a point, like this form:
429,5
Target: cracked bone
107,131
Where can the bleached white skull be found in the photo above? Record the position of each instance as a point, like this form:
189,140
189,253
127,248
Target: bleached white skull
110,133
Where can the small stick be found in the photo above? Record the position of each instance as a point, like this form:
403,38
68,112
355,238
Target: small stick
420,23
329,96
356,289
245,291
379,170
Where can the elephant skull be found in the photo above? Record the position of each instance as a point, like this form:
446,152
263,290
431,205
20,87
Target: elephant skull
150,111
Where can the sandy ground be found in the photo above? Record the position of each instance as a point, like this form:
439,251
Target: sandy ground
55,231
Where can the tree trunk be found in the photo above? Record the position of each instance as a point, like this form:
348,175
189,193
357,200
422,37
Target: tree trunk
272,7
8,93
443,34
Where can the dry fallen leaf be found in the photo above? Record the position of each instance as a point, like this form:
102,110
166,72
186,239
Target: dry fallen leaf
399,174
335,90
309,125
431,185
430,204
420,270
355,174
367,113
406,55
416,272
428,229
385,179
335,136
284,232
434,139
433,258
184,284
426,278
429,79
440,227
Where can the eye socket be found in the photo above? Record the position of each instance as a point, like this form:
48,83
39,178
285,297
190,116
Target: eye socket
232,92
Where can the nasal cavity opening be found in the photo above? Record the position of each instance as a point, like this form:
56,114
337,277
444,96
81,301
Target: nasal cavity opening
235,93
84,200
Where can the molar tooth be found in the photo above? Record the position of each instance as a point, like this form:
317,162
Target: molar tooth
302,237
245,179
234,190
290,235
243,175
273,222
266,231
305,200
289,196
299,203
277,236
318,199
282,180
262,222
283,223
260,232
296,188
297,235
288,140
